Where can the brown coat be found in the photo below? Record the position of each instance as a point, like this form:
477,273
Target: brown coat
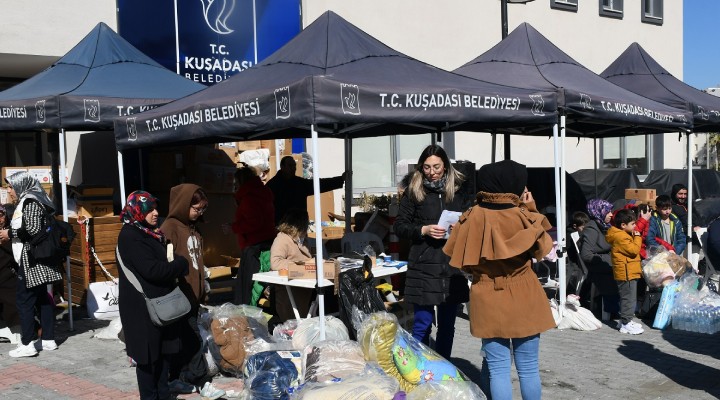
496,244
286,251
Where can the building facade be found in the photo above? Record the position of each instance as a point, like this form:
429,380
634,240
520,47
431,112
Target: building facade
444,33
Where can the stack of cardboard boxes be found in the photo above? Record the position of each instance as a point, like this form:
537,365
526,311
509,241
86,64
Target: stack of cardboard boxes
641,196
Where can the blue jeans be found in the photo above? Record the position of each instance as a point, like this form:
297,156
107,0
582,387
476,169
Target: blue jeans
525,352
422,326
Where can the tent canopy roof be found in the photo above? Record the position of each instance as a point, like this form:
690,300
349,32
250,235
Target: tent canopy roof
593,106
344,82
638,72
102,77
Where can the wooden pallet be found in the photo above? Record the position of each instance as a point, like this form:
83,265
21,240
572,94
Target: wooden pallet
102,234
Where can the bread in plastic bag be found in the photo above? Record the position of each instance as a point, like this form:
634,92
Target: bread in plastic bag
332,360
308,331
447,390
368,385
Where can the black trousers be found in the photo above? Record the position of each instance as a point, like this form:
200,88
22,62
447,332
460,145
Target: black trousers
153,380
189,365
27,299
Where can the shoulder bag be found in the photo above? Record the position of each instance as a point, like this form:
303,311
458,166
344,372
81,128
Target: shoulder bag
163,310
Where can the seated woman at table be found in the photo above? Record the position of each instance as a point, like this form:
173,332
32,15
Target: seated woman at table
289,248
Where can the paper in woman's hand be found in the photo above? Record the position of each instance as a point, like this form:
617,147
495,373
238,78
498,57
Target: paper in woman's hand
447,219
170,254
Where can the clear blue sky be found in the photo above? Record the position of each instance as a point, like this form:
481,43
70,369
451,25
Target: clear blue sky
701,43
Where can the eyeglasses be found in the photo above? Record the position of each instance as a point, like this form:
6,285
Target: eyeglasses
200,211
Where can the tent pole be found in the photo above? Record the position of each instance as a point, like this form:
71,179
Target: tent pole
562,216
318,231
595,165
506,145
348,184
689,232
493,146
558,204
121,172
63,183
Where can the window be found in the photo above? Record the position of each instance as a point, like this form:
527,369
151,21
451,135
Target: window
652,12
627,152
567,5
375,160
611,8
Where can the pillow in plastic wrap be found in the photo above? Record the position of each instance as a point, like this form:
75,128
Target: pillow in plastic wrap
308,331
447,390
332,360
365,386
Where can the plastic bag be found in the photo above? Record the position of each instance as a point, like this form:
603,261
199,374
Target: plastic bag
111,331
447,390
574,316
369,385
662,267
308,331
667,300
357,291
332,360
271,374
696,310
285,330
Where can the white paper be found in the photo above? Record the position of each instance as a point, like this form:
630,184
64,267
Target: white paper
170,251
448,218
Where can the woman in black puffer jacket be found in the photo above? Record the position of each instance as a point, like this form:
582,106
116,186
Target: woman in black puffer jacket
430,281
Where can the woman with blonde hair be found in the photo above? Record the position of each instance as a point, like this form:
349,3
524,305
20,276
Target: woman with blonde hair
430,281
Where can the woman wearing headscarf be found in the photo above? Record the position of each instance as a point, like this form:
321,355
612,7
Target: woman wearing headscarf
142,247
430,282
595,252
188,203
8,277
28,221
495,241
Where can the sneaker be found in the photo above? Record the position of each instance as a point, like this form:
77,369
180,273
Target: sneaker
631,329
48,345
635,324
210,392
179,387
24,351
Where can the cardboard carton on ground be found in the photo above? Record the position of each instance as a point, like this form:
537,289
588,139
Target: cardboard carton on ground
102,208
645,195
307,270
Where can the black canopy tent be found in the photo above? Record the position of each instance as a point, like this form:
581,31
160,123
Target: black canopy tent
612,181
100,78
334,80
638,72
589,105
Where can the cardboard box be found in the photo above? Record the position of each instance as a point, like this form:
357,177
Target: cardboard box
4,196
7,171
215,156
101,208
286,147
327,204
249,145
308,270
230,149
645,195
273,165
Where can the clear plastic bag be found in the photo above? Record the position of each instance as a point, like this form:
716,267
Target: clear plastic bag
285,330
447,390
332,360
368,385
271,374
662,267
308,331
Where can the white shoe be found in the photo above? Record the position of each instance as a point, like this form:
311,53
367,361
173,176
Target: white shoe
24,351
635,324
210,392
631,329
48,345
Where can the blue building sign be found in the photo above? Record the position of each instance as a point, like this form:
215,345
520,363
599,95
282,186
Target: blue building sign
208,40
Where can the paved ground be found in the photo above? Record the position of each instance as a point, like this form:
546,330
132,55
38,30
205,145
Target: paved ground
601,364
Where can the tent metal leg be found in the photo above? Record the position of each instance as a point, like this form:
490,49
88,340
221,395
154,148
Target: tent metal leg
121,172
318,230
63,183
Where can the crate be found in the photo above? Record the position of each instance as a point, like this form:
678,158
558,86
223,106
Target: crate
101,234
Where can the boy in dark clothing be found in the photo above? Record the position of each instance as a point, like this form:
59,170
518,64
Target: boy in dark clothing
665,228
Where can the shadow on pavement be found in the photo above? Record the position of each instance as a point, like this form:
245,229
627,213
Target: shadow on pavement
699,343
81,324
684,372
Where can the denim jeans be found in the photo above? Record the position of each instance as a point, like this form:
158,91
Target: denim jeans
525,353
422,326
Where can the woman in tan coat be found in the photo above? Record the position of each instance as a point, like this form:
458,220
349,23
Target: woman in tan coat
289,248
495,241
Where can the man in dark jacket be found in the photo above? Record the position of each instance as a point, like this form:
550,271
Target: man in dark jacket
291,191
679,197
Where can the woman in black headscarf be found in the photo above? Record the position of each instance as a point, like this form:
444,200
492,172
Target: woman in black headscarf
495,241
143,250
430,282
28,222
